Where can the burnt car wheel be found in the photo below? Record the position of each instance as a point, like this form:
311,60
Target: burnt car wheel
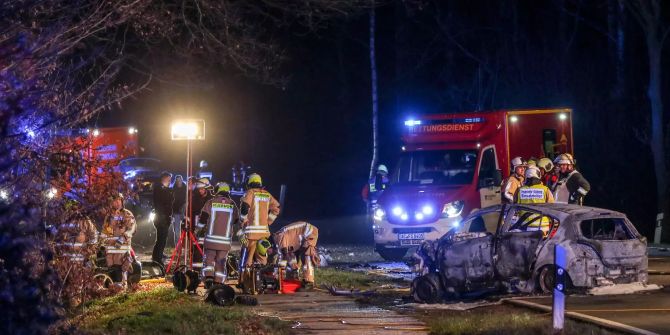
392,254
427,289
546,280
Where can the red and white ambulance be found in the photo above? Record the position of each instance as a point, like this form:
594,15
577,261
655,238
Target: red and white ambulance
452,164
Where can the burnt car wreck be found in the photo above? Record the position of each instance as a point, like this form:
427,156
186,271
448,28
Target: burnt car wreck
510,248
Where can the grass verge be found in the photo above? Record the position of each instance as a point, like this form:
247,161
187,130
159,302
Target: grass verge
163,310
346,279
499,320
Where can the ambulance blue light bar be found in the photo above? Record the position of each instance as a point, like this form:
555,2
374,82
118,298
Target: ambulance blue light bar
411,123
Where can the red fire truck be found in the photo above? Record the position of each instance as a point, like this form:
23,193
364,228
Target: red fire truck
452,164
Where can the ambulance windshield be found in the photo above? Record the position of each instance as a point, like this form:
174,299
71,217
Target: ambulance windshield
436,167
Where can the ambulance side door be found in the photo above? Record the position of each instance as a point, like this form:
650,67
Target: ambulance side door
490,177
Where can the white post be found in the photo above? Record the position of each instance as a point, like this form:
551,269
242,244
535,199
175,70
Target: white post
659,228
559,297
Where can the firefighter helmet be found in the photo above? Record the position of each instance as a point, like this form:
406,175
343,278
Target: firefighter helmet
382,169
532,162
202,183
517,161
533,172
262,247
564,159
255,178
203,164
222,188
545,164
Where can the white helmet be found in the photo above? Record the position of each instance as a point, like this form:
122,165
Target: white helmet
533,172
382,168
564,159
517,161
203,164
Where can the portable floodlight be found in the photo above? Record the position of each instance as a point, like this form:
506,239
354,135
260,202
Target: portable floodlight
188,129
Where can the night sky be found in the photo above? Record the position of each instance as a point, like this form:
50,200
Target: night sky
434,57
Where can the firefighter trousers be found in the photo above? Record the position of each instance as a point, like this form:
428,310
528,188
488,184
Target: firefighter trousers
253,256
214,264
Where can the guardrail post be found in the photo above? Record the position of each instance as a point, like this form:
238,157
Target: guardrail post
559,295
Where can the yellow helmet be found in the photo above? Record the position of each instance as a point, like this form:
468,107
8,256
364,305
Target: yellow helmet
255,178
262,247
532,162
222,187
545,164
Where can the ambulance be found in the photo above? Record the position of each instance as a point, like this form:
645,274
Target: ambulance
453,164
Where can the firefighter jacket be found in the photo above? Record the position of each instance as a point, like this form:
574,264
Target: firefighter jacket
297,237
509,187
118,230
216,222
197,203
533,194
77,239
571,188
374,188
259,210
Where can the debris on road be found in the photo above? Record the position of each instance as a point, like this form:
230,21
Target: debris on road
459,306
349,293
623,289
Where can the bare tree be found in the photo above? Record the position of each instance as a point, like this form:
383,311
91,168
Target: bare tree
649,15
373,93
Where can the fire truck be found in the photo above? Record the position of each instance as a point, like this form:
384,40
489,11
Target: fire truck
453,164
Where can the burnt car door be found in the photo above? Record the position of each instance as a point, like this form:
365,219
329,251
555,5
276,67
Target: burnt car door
516,244
466,257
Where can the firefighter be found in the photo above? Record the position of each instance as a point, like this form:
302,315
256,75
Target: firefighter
76,241
117,233
534,192
571,187
376,185
514,181
77,238
258,210
296,242
216,222
549,178
200,197
163,200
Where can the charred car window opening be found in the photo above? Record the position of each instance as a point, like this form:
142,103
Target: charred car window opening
436,167
606,229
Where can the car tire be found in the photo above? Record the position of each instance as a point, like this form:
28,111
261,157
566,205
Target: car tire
392,254
546,279
427,289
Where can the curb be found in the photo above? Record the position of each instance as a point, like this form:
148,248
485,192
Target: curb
620,327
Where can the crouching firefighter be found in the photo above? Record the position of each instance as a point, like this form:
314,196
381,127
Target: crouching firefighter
258,210
215,222
117,232
297,243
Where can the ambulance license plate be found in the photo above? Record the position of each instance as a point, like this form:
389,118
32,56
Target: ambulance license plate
410,236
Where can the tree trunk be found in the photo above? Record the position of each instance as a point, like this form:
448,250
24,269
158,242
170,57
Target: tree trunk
657,125
616,21
373,87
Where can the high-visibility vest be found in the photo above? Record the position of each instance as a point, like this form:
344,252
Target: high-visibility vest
535,194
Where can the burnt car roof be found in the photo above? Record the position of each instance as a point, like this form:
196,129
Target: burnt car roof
562,211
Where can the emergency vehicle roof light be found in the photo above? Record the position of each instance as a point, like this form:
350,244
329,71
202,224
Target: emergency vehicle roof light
562,116
411,123
514,118
132,130
96,132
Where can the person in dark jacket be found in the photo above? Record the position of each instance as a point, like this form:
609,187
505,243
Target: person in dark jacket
178,210
163,202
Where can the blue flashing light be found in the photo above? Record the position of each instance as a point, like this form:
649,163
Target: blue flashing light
411,123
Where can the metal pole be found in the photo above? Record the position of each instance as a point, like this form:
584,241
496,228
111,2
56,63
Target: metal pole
189,194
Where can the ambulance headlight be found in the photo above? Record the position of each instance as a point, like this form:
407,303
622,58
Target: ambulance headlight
397,211
453,209
427,210
379,214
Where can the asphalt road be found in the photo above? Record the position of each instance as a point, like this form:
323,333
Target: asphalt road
649,310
